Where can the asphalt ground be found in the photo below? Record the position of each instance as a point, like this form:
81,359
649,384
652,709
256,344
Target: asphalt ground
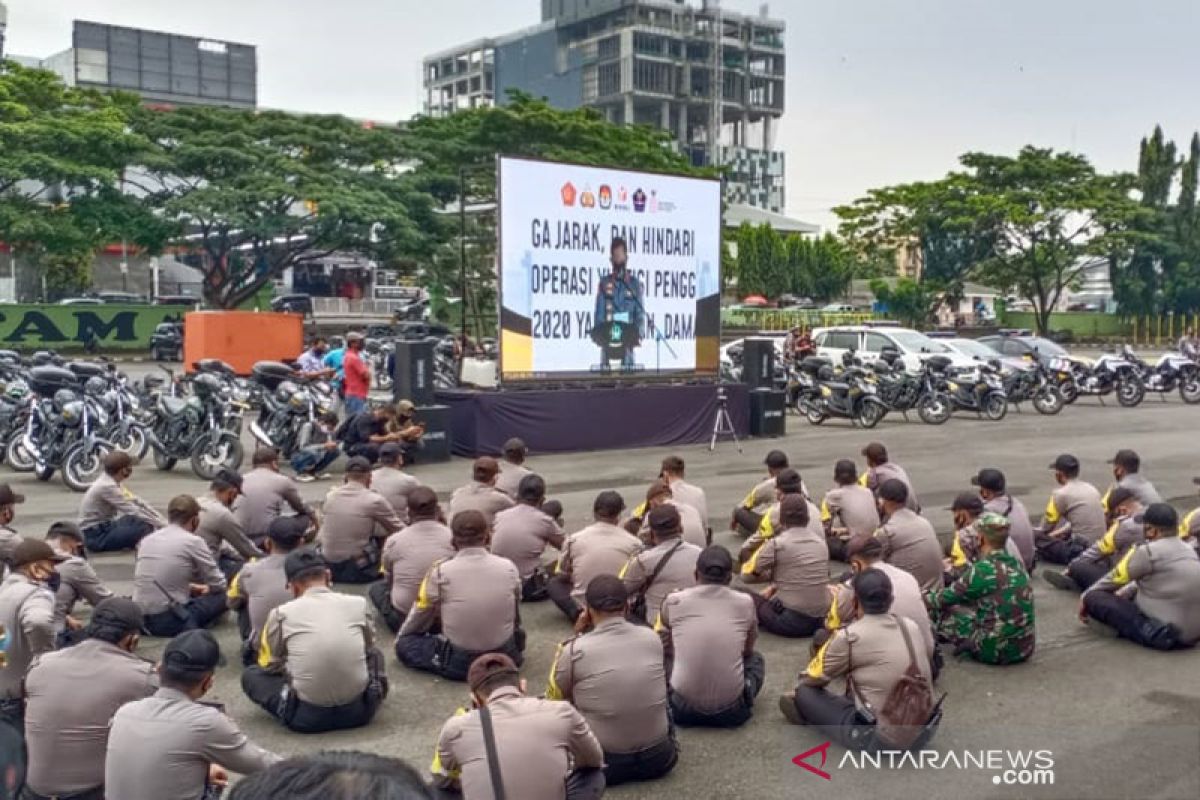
1119,721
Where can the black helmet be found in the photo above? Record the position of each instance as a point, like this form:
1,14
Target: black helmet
206,384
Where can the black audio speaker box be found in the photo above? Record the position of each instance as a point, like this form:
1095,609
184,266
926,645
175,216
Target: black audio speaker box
768,412
435,444
758,363
413,371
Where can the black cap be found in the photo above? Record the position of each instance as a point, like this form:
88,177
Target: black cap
1119,495
606,593
64,528
665,520
230,477
845,470
715,563
515,446
873,588
776,459
894,491
968,501
789,481
990,479
608,503
30,551
1127,459
1066,464
300,561
357,466
192,653
8,497
390,451
864,544
288,531
120,613
1160,515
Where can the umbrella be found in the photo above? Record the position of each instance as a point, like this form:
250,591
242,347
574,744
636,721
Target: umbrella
755,300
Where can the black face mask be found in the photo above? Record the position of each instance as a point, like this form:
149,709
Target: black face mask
54,581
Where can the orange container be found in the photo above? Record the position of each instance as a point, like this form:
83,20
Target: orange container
242,337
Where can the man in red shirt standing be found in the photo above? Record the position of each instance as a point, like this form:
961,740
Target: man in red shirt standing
358,376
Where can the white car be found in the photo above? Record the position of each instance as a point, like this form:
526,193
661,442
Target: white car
731,353
868,342
977,350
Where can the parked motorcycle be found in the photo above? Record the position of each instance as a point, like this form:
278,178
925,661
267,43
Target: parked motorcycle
1110,373
61,431
1172,371
196,427
853,397
1037,384
290,407
378,353
978,389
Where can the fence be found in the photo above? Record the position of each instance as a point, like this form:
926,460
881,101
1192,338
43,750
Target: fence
1157,330
111,327
340,306
782,319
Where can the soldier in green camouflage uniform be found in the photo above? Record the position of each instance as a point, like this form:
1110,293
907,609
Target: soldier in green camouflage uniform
988,612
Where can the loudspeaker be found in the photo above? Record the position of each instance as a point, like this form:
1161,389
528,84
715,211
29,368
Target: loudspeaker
768,414
758,363
413,371
435,444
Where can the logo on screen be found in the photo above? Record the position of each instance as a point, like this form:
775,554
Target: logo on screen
587,199
639,201
653,201
605,196
568,194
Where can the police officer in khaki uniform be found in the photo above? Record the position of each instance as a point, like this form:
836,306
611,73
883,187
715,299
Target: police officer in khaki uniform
672,472
847,510
110,515
874,652
669,564
548,748
481,493
391,481
261,586
1127,474
967,545
522,533
601,548
512,467
909,541
407,556
1074,516
76,580
175,579
659,494
787,483
475,599
172,745
708,635
1164,613
614,674
993,488
748,515
351,519
219,526
1094,563
27,619
264,494
796,564
9,538
880,468
318,669
72,694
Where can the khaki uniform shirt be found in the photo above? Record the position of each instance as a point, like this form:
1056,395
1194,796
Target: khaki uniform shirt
910,543
27,618
1020,531
598,549
9,539
161,747
708,627
615,676
264,494
509,479
679,573
407,556
770,525
539,743
475,595
875,476
1166,574
691,495
797,563
1078,504
1142,489
219,525
872,652
106,500
72,695
851,507
77,581
1122,534
394,484
348,519
521,534
481,497
167,561
261,586
320,641
908,601
761,496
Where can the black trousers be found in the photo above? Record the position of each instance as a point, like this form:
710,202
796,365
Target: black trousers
653,762
1128,620
1058,551
582,784
354,570
268,691
122,533
230,565
199,612
559,589
833,715
780,620
380,593
90,794
747,520
754,669
534,588
1085,573
432,652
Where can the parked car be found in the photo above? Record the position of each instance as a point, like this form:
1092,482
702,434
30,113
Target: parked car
412,329
975,349
1022,346
292,303
122,298
166,343
795,301
869,342
837,308
176,300
81,301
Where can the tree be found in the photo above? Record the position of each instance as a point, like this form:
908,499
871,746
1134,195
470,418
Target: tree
911,302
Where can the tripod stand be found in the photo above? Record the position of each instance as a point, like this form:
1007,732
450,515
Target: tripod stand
723,424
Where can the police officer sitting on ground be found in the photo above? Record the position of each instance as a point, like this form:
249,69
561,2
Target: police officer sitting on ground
708,635
76,580
545,749
796,564
966,546
110,515
512,467
171,744
669,564
175,579
407,556
615,676
993,488
521,534
481,493
875,653
659,494
27,620
847,510
466,605
672,472
318,669
1126,468
72,694
393,482
1163,575
261,586
748,516
909,541
787,483
601,548
880,469
9,538
354,519
1094,563
1074,516
987,612
219,526
265,492
334,775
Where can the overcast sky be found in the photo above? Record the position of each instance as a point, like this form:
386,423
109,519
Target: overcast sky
879,91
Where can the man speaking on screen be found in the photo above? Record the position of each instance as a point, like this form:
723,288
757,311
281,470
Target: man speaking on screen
617,328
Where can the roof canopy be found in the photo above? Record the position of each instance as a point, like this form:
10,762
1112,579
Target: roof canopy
738,213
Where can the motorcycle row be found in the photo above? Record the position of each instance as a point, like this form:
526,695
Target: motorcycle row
819,390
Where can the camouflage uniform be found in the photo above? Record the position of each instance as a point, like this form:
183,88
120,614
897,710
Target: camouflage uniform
987,612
